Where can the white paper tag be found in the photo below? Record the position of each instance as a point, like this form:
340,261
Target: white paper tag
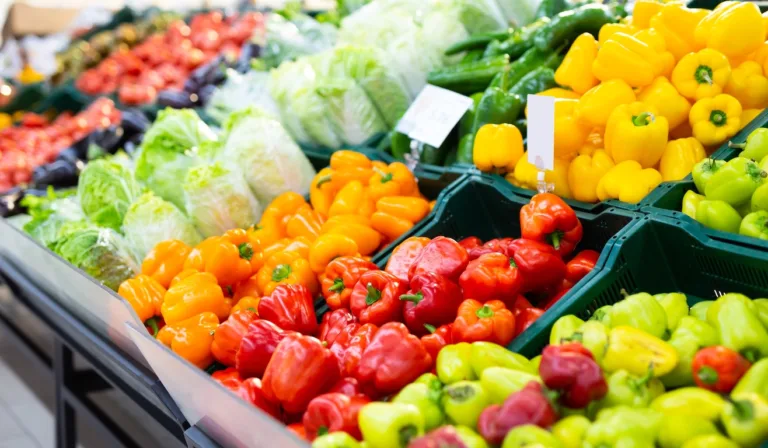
541,131
433,115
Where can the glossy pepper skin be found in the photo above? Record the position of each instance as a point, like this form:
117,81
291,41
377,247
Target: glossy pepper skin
571,369
191,338
703,171
526,173
692,401
341,276
596,105
493,275
662,95
549,219
487,354
585,172
165,260
640,311
300,369
348,348
735,182
691,201
403,256
249,389
690,335
334,440
290,307
328,247
715,120
333,412
580,265
701,75
625,389
286,268
454,363
393,359
755,225
754,381
718,215
756,145
198,293
432,300
679,430
395,215
450,436
735,28
145,295
576,69
679,158
443,256
497,147
463,402
229,335
625,57
425,394
745,418
527,406
540,264
718,368
334,323
570,431
636,132
257,346
570,133
390,425
738,327
677,23
675,306
501,382
624,426
376,298
748,85
525,318
634,351
437,339
491,322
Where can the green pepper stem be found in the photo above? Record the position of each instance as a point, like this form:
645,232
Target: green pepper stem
430,328
385,177
323,180
737,145
373,296
406,433
624,293
751,354
246,251
505,78
512,262
484,312
415,298
151,323
338,285
554,238
703,74
718,117
743,410
281,272
321,431
644,119
250,308
708,375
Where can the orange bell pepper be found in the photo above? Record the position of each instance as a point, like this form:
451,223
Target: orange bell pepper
321,194
395,180
247,288
198,293
305,222
280,210
350,200
227,338
192,338
286,268
360,230
197,256
347,166
247,303
145,295
330,246
182,275
230,259
397,214
165,260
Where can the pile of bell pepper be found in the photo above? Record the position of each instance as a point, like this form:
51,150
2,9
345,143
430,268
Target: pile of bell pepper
642,101
733,196
647,371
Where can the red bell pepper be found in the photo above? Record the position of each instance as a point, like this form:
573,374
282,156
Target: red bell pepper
347,386
348,351
300,369
581,265
393,359
547,218
334,323
432,300
257,347
470,243
491,322
528,406
376,298
496,245
334,412
298,429
248,389
492,276
340,277
404,255
571,370
718,368
443,256
540,264
520,304
437,339
290,307
525,318
558,294
228,335
442,437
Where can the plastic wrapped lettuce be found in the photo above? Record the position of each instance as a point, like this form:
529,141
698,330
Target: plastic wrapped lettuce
287,85
53,216
519,12
106,189
287,40
352,114
219,199
481,16
102,253
239,92
150,220
177,130
257,146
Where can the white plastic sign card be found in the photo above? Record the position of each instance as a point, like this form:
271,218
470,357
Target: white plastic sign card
541,131
433,115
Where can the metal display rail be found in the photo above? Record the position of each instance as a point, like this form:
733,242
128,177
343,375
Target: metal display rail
111,369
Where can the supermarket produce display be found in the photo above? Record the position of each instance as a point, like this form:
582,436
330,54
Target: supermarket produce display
264,229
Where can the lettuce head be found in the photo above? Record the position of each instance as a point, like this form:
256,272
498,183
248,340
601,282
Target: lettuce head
106,189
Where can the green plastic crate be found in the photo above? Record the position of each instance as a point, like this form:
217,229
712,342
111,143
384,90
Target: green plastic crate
658,254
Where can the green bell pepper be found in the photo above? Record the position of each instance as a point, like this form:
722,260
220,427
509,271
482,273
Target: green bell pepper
470,438
624,426
691,201
625,389
738,327
336,440
675,306
678,429
570,431
754,381
755,225
759,199
501,382
603,315
464,401
539,80
593,335
718,215
761,310
488,354
703,171
735,182
564,328
454,363
692,401
640,311
756,146
529,436
688,338
745,418
390,425
699,310
715,307
426,397
710,441
497,105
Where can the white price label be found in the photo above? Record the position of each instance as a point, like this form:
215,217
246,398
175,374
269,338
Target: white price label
541,131
433,115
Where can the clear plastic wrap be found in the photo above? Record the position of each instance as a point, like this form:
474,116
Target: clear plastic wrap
239,92
287,40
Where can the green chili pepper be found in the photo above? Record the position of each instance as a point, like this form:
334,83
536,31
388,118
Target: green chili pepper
550,8
640,311
735,182
436,156
468,120
691,201
703,171
473,56
569,24
738,327
530,61
539,80
718,215
466,149
451,157
477,41
755,225
468,77
518,43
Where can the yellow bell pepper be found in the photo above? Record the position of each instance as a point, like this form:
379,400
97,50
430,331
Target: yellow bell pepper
608,30
682,131
654,39
356,227
628,182
747,115
191,338
627,58
327,247
749,85
636,132
286,268
701,75
677,25
576,69
635,351
557,92
644,11
664,97
585,172
5,120
195,294
679,158
715,120
594,142
735,29
497,147
349,200
29,75
596,105
570,133
526,176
